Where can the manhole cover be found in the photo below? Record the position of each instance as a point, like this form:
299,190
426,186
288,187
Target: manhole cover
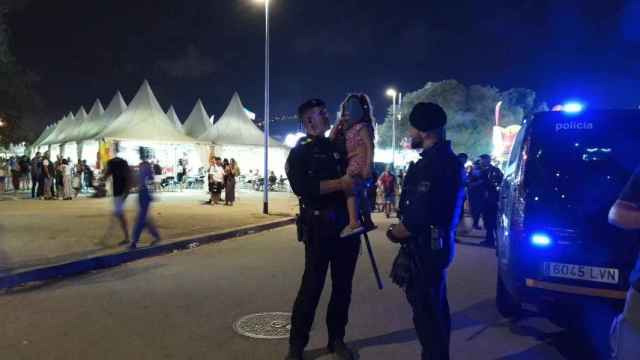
272,325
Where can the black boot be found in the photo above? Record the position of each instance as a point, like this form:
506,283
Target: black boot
294,354
340,349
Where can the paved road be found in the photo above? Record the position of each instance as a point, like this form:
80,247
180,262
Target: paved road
182,306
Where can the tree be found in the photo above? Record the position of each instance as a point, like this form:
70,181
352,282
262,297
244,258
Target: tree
19,103
470,111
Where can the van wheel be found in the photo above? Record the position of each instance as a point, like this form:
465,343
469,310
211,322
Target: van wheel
507,305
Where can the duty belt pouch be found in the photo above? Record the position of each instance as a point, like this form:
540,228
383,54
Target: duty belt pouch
300,227
401,269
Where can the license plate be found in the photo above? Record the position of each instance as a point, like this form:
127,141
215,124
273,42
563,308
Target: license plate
582,272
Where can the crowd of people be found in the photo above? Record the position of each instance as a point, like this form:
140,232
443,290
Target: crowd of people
47,179
222,175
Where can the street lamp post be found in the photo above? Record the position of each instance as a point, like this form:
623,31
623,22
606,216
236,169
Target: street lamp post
393,94
265,182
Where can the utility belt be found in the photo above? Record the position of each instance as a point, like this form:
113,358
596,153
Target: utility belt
314,219
422,257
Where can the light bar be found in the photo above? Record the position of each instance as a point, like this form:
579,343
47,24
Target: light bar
540,240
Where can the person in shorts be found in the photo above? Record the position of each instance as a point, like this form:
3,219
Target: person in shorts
118,170
625,331
387,182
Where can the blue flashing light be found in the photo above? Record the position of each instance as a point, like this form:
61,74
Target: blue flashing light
540,240
573,107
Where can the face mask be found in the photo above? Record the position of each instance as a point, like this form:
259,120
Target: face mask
354,108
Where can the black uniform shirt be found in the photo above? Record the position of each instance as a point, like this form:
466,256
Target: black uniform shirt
433,191
311,161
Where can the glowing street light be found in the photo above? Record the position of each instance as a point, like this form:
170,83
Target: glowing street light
392,93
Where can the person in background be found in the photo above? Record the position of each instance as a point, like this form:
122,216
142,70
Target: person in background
66,179
182,172
3,175
492,177
88,175
387,183
475,190
231,171
625,330
463,158
48,173
15,174
36,173
225,165
143,221
273,179
216,177
372,192
59,178
157,175
23,165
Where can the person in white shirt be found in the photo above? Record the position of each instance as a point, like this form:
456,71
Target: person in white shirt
216,178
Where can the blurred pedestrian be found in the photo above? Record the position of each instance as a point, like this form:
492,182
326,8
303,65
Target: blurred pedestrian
492,177
15,174
625,330
59,178
231,171
476,191
47,174
120,173
36,174
143,221
3,175
66,179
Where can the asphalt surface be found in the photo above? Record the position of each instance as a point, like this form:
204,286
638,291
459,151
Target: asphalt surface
182,306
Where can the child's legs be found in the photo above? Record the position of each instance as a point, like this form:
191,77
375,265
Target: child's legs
352,207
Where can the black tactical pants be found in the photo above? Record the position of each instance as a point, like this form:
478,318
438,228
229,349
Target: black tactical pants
490,220
324,248
431,317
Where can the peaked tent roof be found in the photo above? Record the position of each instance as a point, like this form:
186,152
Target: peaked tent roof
235,127
65,128
173,118
45,133
87,127
144,120
197,124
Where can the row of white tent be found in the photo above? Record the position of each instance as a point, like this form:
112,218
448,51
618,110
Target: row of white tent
144,120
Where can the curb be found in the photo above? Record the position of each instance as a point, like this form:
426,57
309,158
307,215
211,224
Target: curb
106,261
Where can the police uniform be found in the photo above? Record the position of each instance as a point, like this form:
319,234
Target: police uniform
311,161
430,205
492,178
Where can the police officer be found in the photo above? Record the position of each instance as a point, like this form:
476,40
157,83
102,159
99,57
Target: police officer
491,178
316,170
430,206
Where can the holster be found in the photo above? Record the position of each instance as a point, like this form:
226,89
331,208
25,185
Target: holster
301,228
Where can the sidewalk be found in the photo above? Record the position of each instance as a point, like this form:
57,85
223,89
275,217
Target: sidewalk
35,233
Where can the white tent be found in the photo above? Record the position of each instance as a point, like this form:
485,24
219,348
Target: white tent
173,118
144,120
87,128
197,124
235,136
116,107
63,126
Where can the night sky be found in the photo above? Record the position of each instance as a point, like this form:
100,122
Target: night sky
83,50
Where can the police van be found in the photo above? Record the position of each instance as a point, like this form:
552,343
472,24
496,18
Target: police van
555,247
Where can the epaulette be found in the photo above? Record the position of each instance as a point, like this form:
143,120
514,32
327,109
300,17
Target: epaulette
305,140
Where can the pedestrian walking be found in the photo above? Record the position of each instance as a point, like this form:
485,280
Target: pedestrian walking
3,175
430,205
143,221
232,171
59,178
476,191
315,169
118,170
14,168
625,330
491,178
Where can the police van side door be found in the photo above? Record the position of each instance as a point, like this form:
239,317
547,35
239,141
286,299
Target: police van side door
508,192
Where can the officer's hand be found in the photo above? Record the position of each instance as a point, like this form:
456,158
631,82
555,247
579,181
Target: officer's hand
398,233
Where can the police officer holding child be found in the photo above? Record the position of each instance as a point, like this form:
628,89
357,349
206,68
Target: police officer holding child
430,205
316,170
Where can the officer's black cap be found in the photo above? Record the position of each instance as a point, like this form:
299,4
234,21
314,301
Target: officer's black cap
310,104
427,117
